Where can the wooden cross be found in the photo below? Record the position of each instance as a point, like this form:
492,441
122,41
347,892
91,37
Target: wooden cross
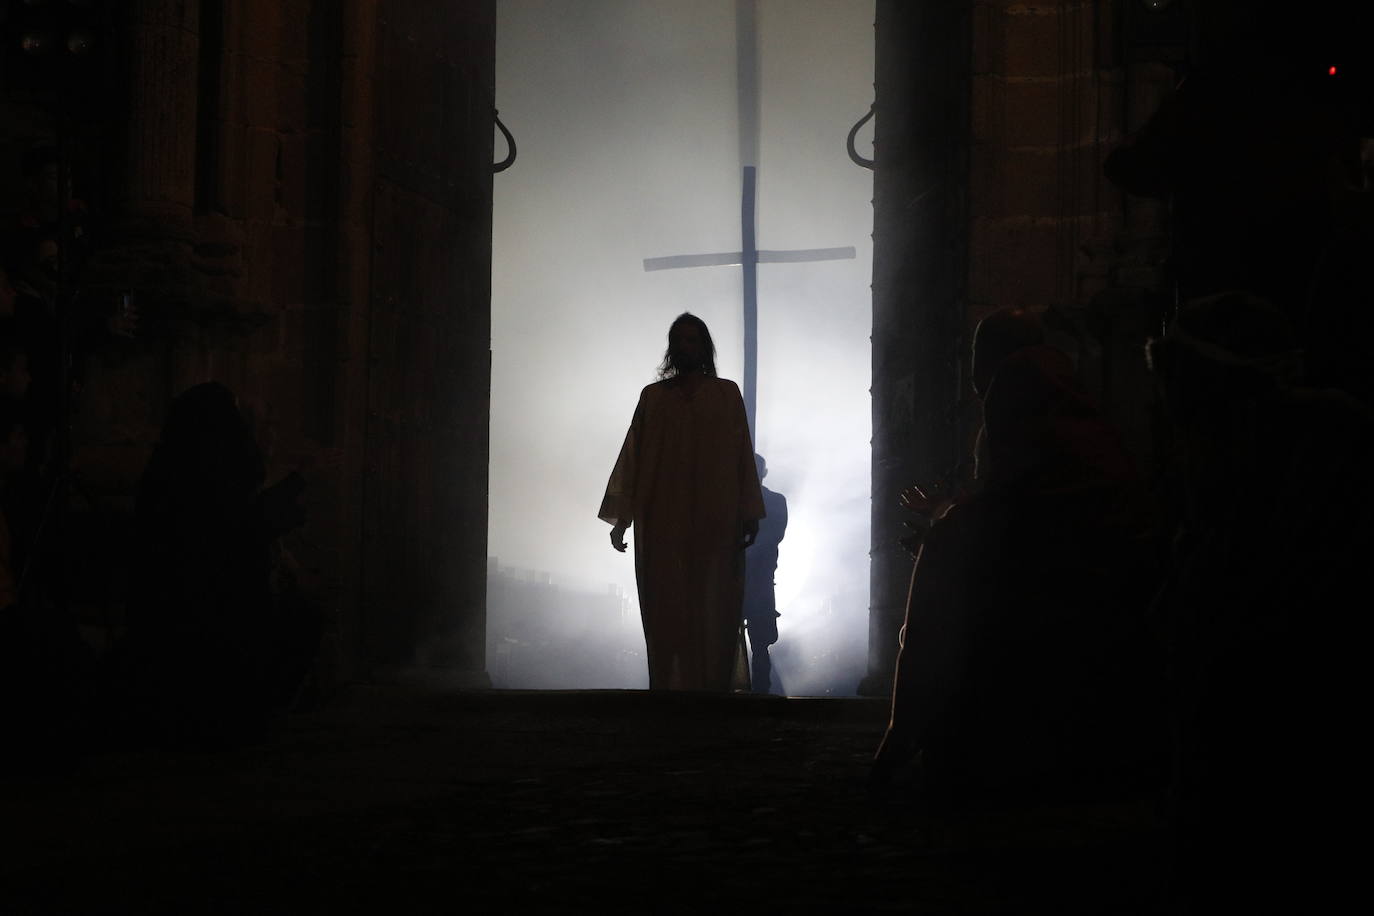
750,256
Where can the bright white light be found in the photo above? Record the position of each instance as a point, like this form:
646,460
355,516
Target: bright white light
625,117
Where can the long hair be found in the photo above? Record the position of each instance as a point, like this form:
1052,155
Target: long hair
669,367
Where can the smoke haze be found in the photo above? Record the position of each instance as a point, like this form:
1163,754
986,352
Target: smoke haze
625,116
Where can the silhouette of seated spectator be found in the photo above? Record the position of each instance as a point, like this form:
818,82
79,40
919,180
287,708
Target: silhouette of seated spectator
760,608
209,650
13,449
45,668
1025,668
32,270
1267,670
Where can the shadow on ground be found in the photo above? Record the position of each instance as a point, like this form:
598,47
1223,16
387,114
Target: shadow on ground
402,800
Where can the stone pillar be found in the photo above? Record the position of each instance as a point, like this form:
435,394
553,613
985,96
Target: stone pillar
920,244
429,339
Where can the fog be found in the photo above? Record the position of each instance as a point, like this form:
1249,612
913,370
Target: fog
624,112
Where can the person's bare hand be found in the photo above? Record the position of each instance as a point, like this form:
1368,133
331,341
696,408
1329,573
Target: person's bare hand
915,499
618,537
751,532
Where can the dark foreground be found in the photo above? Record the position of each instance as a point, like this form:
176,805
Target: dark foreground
398,800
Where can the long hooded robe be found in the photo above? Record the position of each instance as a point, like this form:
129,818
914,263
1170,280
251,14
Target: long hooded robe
686,481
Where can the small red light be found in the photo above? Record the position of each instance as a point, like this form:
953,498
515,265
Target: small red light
1331,71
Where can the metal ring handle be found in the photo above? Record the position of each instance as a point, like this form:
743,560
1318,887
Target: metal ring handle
510,145
858,160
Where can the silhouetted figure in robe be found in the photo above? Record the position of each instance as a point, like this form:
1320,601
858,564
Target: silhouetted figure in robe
1025,667
760,599
1267,648
209,652
686,480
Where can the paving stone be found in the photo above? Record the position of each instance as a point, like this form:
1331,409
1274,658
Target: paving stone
401,800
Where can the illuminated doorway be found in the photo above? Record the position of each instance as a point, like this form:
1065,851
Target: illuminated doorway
626,117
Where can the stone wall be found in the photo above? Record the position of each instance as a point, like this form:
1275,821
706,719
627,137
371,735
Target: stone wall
1056,86
993,122
299,196
1044,116
920,273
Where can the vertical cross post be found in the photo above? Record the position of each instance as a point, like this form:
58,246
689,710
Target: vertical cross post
747,118
749,260
749,257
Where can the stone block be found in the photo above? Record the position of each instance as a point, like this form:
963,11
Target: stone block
987,103
260,25
359,29
1031,113
295,168
357,89
1088,285
298,25
1014,261
258,256
260,192
987,191
320,371
320,258
320,177
988,34
260,91
1011,183
290,273
217,234
231,181
293,109
291,344
356,173
1031,42
1030,183
1048,39
1139,276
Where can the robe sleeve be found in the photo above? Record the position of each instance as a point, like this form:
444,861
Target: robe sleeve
618,503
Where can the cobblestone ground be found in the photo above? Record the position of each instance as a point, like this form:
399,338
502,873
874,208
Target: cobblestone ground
397,800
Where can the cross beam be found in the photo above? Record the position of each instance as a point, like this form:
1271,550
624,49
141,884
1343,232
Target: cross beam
736,258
